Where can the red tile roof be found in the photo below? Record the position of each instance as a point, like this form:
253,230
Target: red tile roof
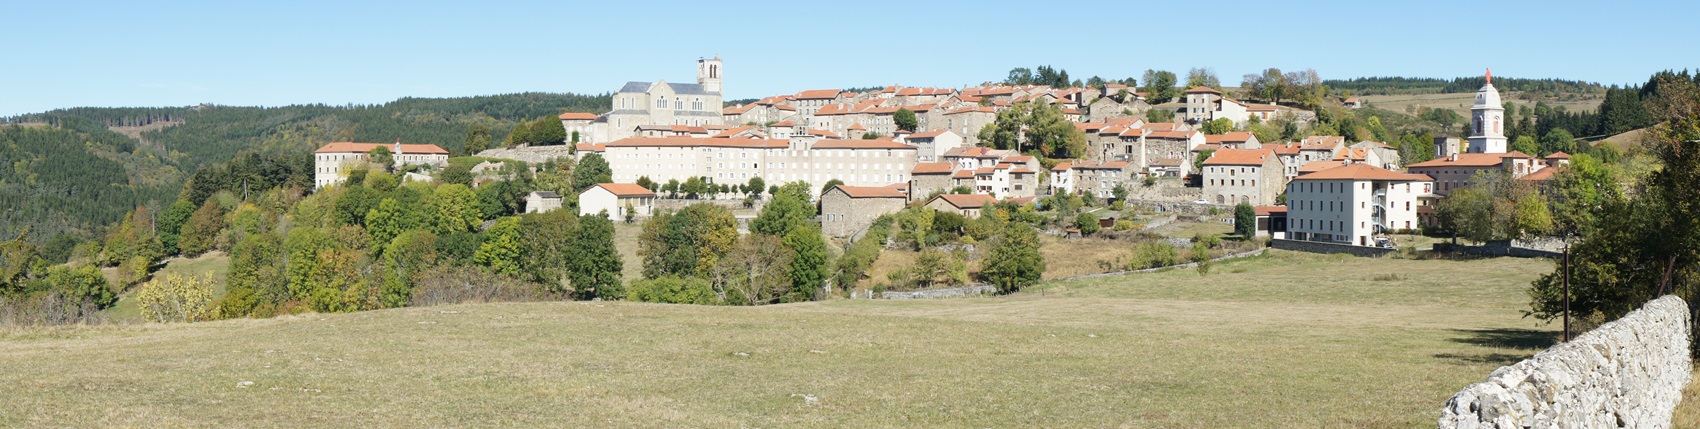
1541,175
928,134
591,147
966,201
1230,137
860,144
626,189
870,191
696,142
349,147
931,168
1468,160
578,116
1239,157
1363,172
1558,155
1267,210
816,94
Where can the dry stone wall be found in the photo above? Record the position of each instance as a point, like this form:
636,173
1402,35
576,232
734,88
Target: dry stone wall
1625,374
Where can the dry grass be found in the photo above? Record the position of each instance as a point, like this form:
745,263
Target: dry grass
1688,414
626,242
1460,102
1287,340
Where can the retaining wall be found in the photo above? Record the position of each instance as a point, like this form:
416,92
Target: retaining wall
1625,374
1498,248
955,292
1321,247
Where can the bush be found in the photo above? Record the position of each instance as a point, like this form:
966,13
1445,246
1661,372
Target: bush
1154,254
177,298
469,284
1124,225
671,290
1087,223
47,308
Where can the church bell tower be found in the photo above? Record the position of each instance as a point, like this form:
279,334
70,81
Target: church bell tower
1487,120
708,74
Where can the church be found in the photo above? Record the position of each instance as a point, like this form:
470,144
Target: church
1487,126
657,103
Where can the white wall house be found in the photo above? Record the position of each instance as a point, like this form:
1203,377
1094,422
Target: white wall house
1353,204
776,161
333,159
613,198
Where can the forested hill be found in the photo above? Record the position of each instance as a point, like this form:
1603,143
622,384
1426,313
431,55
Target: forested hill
1425,85
68,170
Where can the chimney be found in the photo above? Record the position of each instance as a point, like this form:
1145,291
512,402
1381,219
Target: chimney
397,146
1452,158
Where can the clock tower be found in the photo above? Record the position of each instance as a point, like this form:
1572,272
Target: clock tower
1487,120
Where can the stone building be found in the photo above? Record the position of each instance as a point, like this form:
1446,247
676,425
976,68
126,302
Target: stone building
932,145
542,202
969,205
614,197
332,159
663,103
1095,178
1353,204
847,210
1253,176
928,178
736,160
1453,172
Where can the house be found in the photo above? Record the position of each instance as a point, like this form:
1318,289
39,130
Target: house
1454,171
847,210
1353,103
968,205
1204,104
613,199
1271,221
928,178
1353,204
932,145
1098,179
1386,153
542,202
332,159
1234,140
1253,176
580,126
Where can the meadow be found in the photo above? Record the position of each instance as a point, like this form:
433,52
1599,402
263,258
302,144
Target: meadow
1282,340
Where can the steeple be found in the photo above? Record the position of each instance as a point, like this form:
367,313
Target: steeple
708,74
1487,120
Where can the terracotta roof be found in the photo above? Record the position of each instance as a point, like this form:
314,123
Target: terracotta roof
785,123
350,147
1266,210
1202,90
1321,142
1178,135
1018,159
1230,137
962,174
860,144
857,127
1286,149
1352,100
1319,165
966,201
1259,108
1541,175
578,116
823,133
1558,155
626,189
1063,166
696,142
928,134
591,147
816,94
1363,172
870,191
931,168
1468,160
1239,157
1106,165
1358,154
734,131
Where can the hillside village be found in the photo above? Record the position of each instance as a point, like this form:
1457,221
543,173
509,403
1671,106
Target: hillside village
853,147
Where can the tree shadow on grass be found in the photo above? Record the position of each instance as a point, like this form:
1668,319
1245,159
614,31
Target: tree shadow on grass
1528,341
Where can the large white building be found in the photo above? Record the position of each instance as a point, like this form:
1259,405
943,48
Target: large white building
1353,204
331,160
1487,121
657,103
736,160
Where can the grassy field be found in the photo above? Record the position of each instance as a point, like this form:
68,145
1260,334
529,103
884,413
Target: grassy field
215,263
1460,102
1286,340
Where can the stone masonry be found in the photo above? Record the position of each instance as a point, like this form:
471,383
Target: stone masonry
1626,374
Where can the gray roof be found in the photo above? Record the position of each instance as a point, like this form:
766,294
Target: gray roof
678,88
547,194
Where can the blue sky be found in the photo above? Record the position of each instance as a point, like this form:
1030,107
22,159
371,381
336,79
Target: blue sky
68,54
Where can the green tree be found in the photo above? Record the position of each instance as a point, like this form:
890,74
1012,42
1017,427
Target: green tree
1198,161
1087,223
1015,261
454,208
521,135
381,156
1156,115
1494,207
1202,76
789,209
1245,220
83,284
905,120
1119,192
177,298
477,139
1527,145
1578,193
686,243
257,275
1217,126
501,251
389,220
1160,86
455,175
202,230
596,265
1557,140
591,170
548,131
171,224
672,290
809,265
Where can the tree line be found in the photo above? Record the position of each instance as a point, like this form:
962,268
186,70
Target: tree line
1392,85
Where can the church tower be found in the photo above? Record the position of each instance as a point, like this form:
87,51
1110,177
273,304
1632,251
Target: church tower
708,74
1487,120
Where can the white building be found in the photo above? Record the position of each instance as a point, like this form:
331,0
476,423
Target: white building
614,197
661,103
1353,204
542,202
736,160
1487,120
933,144
331,160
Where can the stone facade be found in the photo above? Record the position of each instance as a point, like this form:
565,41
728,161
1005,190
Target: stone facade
663,103
1625,374
1254,176
846,210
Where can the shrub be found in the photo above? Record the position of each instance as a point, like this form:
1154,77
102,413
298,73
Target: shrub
1124,225
177,298
1087,223
469,284
1153,254
671,290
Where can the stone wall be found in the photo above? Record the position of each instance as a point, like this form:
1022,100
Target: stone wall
1628,373
1321,247
1498,248
957,292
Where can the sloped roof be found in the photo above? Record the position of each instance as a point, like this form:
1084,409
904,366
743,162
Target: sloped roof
1541,175
816,94
931,168
1239,157
1230,137
626,189
1558,155
350,147
578,116
870,191
591,147
966,201
1267,210
1467,160
697,142
1363,172
861,144
928,134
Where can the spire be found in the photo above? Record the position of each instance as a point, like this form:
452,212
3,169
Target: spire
1490,76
